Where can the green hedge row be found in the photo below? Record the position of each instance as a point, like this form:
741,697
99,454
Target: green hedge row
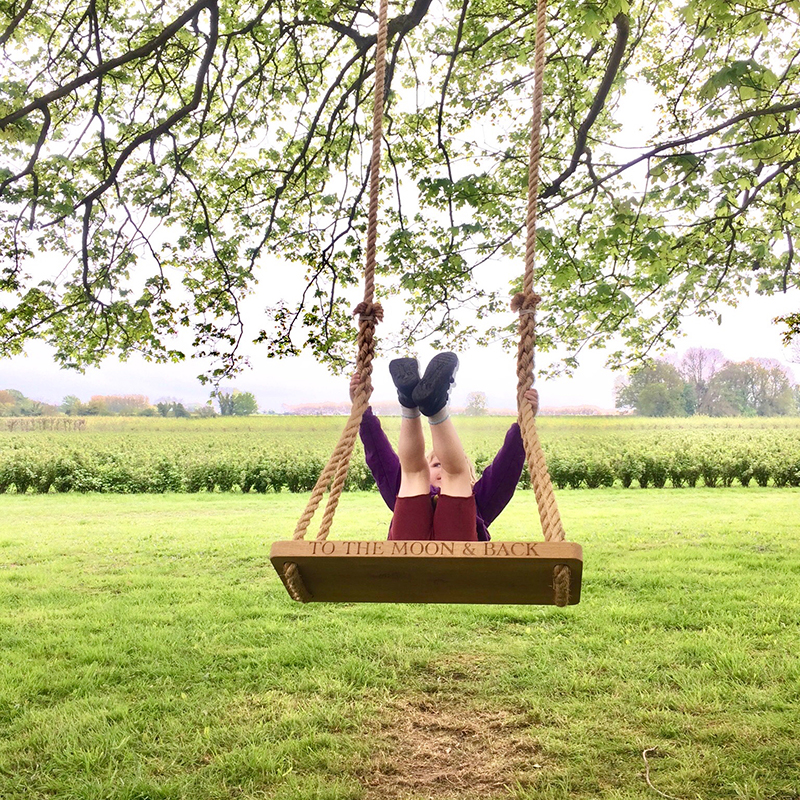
675,469
120,474
26,470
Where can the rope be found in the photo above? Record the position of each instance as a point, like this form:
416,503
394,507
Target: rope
294,583
525,303
375,161
335,472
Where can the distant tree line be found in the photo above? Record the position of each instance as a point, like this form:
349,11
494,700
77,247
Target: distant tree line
14,403
704,382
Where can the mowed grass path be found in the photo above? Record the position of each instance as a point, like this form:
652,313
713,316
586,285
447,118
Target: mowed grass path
149,652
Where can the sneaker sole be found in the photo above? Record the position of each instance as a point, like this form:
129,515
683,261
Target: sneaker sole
405,375
442,366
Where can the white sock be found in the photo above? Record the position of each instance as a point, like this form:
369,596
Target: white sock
409,413
440,416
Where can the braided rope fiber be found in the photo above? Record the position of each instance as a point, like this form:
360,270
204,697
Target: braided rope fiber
526,303
294,583
334,474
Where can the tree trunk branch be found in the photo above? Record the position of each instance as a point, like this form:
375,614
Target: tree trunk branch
623,32
108,66
12,26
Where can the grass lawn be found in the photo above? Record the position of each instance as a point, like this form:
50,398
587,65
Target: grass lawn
148,652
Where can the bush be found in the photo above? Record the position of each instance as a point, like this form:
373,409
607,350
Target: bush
599,473
655,470
761,473
628,466
156,460
742,470
559,469
710,469
359,478
21,476
166,477
524,481
555,469
301,476
785,473
679,466
794,477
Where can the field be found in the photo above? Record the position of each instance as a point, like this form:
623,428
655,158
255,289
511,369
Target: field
269,454
150,653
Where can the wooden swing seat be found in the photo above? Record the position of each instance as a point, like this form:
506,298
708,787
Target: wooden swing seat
518,573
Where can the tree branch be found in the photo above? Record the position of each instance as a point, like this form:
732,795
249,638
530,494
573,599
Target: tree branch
167,124
678,143
623,32
440,115
406,22
401,24
108,66
12,26
789,257
34,156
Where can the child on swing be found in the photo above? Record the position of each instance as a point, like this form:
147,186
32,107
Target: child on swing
435,496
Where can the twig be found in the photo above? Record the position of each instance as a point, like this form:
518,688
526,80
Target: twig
647,774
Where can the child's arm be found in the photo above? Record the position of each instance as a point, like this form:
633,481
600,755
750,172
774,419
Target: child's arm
499,480
380,456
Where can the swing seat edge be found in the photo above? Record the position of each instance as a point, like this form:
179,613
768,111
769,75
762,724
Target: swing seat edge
501,572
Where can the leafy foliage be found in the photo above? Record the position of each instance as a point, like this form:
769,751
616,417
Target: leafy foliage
13,403
476,404
236,403
158,160
705,383
171,409
792,322
752,387
657,391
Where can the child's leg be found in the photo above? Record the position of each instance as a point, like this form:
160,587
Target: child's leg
415,476
413,512
456,478
432,395
455,515
413,518
455,519
414,472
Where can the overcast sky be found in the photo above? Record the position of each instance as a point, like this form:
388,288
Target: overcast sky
745,332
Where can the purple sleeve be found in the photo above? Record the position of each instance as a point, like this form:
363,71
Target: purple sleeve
381,458
499,480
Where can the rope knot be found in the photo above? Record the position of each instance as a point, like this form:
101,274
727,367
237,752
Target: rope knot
525,303
368,312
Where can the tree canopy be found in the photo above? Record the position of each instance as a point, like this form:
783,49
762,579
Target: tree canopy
13,403
704,382
656,391
236,403
476,404
160,159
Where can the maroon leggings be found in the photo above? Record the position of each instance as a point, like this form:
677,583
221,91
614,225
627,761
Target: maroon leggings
442,518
